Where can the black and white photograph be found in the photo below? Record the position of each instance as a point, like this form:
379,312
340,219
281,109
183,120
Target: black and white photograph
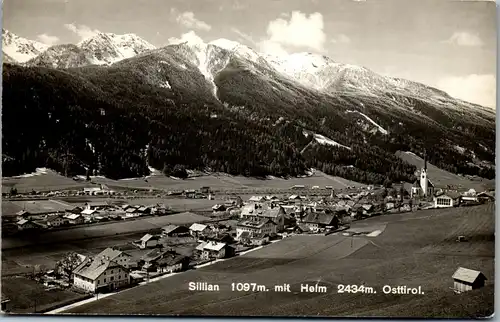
248,158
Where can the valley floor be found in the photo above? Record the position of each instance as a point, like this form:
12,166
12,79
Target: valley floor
414,250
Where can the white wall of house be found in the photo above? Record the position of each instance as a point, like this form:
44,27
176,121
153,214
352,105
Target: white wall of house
150,243
269,228
170,268
123,260
443,202
214,254
84,283
116,276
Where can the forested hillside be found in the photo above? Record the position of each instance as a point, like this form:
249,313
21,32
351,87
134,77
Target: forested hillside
118,120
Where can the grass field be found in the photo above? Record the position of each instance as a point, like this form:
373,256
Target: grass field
104,230
415,249
45,180
442,178
28,295
225,182
10,208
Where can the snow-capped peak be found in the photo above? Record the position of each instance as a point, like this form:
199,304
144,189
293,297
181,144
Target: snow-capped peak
108,48
20,49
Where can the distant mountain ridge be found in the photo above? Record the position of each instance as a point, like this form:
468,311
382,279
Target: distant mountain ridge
125,105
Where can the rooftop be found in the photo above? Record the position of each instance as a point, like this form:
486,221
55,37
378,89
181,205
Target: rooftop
197,227
467,275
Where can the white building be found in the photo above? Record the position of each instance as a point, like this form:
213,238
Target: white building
197,229
148,241
256,226
274,212
212,250
94,275
447,200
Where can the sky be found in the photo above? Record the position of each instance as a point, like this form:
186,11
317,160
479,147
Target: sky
446,44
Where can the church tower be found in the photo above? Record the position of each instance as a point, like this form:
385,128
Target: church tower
424,183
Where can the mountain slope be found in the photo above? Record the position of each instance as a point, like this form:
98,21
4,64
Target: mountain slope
18,49
223,106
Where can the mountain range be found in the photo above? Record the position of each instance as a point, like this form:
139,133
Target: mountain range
116,105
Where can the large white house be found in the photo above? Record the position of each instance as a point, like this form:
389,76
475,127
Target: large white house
260,210
100,273
256,226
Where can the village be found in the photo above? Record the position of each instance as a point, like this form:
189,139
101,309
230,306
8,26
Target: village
232,227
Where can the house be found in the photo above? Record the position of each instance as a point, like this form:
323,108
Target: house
390,205
274,212
76,210
214,250
131,210
93,191
148,261
486,196
143,210
88,212
6,305
172,262
256,225
98,205
205,189
175,231
198,229
25,224
148,241
298,187
447,199
466,279
217,237
115,255
295,198
190,193
272,198
256,199
22,214
55,221
75,219
315,220
423,187
100,274
219,207
234,201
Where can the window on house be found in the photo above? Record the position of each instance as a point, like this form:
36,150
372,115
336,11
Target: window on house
104,280
119,277
112,278
111,271
98,282
104,273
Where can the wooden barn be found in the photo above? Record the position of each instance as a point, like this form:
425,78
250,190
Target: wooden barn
466,279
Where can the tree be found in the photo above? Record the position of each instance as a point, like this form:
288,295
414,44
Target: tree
387,183
67,265
13,191
180,171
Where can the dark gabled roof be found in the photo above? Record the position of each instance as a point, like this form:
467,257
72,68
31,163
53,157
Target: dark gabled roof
320,218
153,255
172,228
254,223
171,259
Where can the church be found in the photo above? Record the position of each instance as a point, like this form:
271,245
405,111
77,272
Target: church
423,187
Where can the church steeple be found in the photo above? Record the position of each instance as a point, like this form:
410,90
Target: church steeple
425,159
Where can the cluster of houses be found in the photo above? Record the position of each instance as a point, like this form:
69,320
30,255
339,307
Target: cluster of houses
91,212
